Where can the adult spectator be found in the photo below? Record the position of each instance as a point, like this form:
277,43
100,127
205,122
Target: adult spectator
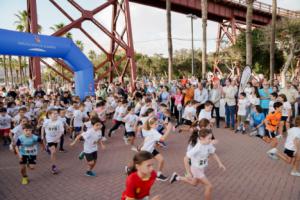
265,97
200,96
215,97
39,92
229,93
65,99
291,94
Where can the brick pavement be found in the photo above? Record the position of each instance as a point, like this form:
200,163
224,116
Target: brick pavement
250,174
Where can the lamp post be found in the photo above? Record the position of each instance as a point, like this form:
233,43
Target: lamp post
192,32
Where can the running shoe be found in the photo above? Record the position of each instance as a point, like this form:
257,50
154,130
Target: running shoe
173,177
54,170
81,155
24,180
161,178
272,154
134,149
293,173
104,139
90,173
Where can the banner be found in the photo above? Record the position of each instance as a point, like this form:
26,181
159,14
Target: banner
247,72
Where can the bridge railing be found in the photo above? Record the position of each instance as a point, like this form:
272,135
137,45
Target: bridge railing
268,8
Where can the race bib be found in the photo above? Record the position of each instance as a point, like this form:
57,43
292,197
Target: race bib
202,163
30,150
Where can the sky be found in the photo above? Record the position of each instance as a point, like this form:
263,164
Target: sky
148,24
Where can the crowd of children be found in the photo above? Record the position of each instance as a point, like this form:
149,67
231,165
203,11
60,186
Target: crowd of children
26,121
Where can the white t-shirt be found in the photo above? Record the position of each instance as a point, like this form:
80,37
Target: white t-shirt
243,104
88,106
130,121
151,138
63,120
17,131
88,125
5,121
205,114
91,139
271,106
78,118
53,130
199,154
137,108
285,108
292,134
189,113
119,113
70,112
17,118
254,100
144,109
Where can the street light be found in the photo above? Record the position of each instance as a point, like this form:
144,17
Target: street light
192,31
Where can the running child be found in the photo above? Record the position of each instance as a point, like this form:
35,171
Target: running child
199,155
141,178
291,154
78,118
16,132
27,151
120,112
131,120
272,123
5,126
207,112
52,131
189,116
152,137
286,114
91,139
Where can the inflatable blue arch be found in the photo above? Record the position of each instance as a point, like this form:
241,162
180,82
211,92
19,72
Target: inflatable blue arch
26,44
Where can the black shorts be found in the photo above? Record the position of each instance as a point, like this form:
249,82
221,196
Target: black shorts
289,153
187,122
155,152
50,144
91,156
77,129
130,134
283,118
28,160
270,134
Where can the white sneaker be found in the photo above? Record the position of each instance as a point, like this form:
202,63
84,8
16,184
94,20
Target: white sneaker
134,149
293,173
272,154
253,133
272,151
125,140
279,137
104,139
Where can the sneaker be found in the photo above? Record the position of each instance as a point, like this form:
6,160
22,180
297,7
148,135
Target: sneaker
173,177
279,137
162,144
272,151
253,133
161,178
62,150
134,149
81,155
90,173
54,170
237,130
127,169
295,173
24,180
104,139
125,140
272,154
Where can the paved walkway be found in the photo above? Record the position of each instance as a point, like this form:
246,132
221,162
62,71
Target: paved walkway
250,174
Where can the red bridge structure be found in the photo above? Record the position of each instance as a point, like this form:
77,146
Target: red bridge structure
230,14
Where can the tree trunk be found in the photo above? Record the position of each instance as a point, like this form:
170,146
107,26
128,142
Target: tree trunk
20,69
249,32
170,45
204,40
272,43
5,70
287,63
10,69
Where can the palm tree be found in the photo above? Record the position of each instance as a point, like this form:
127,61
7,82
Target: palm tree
249,32
59,26
170,45
11,69
272,43
5,69
80,45
204,41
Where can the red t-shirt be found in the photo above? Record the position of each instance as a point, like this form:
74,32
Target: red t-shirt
137,188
